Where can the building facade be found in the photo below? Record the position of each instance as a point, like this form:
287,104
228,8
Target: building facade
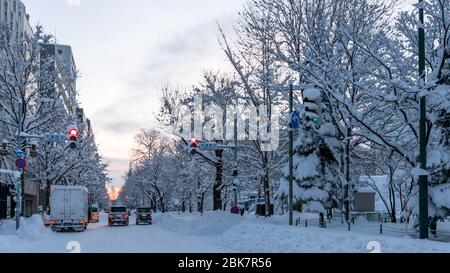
64,64
13,12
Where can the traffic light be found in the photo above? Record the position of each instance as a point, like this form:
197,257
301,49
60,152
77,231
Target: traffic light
73,137
193,146
4,148
311,101
33,152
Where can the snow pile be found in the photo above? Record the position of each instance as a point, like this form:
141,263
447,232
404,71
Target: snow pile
31,229
417,172
327,129
308,166
210,223
257,237
439,157
439,101
311,93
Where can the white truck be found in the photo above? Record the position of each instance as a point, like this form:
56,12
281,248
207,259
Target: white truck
69,208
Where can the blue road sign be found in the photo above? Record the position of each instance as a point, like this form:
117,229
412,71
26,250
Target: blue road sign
209,146
21,154
55,138
295,119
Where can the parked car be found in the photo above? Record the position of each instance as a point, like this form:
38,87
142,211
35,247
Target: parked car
143,215
118,215
69,208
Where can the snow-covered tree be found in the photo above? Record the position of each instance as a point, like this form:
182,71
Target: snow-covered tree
31,102
315,172
263,85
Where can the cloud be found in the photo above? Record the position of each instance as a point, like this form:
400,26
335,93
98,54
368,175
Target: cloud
120,127
72,3
183,57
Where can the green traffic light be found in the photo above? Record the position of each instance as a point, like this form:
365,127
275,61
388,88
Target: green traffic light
315,120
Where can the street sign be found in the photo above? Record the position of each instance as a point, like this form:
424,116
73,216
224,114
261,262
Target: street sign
295,119
55,138
208,146
21,163
21,154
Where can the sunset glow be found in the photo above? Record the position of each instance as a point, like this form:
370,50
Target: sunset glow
114,193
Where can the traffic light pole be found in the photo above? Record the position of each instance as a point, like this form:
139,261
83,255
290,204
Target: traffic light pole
291,154
423,179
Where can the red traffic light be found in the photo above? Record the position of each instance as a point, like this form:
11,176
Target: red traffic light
194,142
73,137
73,132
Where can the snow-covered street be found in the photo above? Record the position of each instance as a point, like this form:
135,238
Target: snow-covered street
101,238
213,232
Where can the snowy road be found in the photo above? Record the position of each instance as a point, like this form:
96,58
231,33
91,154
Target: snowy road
102,238
213,232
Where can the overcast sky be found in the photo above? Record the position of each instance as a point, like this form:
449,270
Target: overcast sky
126,50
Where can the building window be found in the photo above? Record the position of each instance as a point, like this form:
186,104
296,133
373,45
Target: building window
6,12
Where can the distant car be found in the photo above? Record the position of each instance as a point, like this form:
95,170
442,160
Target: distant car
143,215
118,215
95,215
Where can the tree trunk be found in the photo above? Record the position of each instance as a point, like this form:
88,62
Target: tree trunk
433,226
347,178
393,204
47,198
183,206
267,194
201,203
190,203
218,181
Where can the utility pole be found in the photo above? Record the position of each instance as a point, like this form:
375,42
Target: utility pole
236,170
291,154
20,182
423,179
